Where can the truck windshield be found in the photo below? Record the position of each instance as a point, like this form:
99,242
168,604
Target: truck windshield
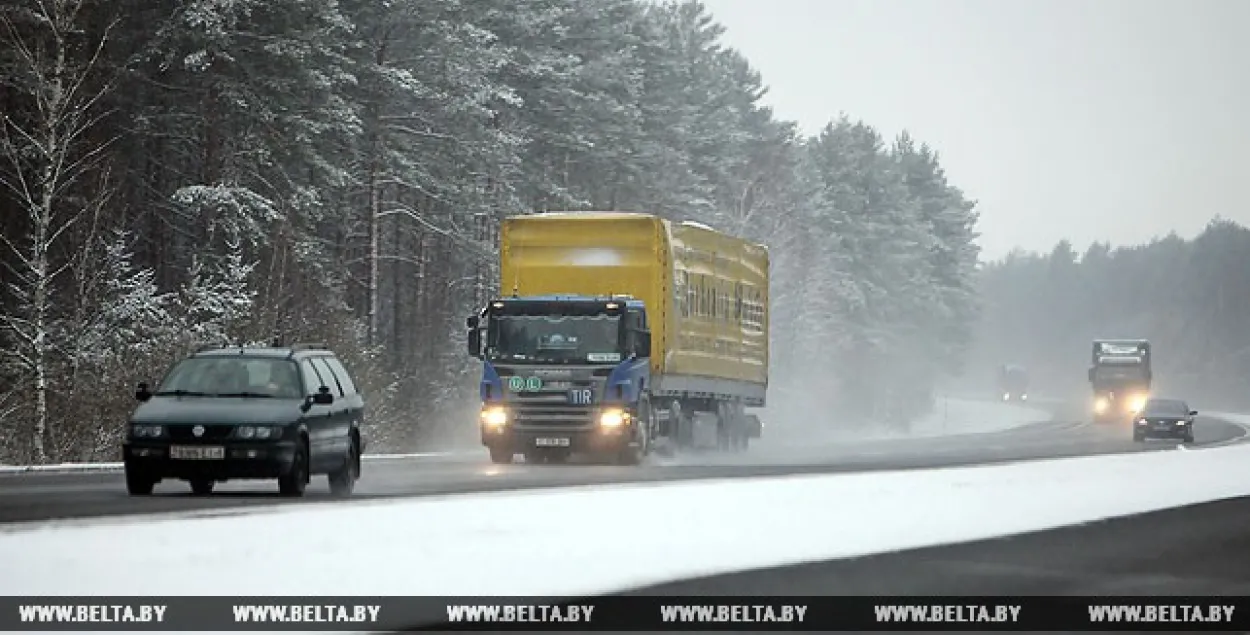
555,338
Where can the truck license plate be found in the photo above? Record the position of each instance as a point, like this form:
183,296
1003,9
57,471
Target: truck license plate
197,453
558,442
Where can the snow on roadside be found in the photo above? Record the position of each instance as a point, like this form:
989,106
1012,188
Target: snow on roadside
591,540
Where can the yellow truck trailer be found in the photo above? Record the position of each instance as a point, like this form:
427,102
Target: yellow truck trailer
664,323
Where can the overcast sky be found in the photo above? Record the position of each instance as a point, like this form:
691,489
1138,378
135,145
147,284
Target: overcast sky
1115,120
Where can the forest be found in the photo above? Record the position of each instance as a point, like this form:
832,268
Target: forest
1190,298
174,174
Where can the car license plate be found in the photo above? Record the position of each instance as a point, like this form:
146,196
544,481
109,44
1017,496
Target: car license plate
558,442
197,453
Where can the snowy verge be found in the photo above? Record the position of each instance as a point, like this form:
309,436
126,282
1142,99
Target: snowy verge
591,540
113,467
950,416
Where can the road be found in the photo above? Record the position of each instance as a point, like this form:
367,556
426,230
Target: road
49,496
1201,550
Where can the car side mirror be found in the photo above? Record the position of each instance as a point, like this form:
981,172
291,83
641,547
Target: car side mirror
142,392
475,343
471,322
1193,413
323,396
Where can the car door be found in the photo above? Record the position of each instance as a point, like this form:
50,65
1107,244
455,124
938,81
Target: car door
337,432
319,418
353,401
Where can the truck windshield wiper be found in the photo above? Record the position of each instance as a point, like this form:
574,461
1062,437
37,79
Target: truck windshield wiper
244,394
181,393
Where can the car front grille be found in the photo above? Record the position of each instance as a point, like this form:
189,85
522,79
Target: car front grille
212,432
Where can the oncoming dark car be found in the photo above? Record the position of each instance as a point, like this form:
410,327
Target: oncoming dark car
285,413
1165,418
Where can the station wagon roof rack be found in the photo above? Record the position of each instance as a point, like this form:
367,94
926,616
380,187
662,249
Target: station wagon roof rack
309,346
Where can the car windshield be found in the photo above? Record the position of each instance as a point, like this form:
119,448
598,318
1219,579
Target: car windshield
1166,407
555,338
233,377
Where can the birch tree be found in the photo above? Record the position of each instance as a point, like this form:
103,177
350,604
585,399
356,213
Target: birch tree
49,147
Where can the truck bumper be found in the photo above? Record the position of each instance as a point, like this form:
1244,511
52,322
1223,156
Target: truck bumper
597,441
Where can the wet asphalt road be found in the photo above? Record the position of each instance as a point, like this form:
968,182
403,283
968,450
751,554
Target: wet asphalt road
49,496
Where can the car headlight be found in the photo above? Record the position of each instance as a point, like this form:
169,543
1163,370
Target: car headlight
494,416
147,432
613,418
258,432
1006,396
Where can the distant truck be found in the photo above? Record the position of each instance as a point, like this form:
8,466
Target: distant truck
1013,383
1120,375
623,333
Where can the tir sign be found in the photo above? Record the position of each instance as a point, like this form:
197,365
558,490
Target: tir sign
581,397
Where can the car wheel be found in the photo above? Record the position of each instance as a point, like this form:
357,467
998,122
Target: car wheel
295,481
502,456
138,484
343,480
202,487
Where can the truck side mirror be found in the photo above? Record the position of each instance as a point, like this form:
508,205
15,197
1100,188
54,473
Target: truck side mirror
644,344
1091,374
475,343
471,322
142,392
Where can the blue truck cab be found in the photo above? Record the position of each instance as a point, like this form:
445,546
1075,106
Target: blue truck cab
564,374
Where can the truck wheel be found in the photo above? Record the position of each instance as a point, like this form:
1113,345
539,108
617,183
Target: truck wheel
502,456
679,426
635,455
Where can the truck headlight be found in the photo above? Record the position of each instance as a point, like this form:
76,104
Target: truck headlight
613,418
1100,405
1136,403
1006,396
494,416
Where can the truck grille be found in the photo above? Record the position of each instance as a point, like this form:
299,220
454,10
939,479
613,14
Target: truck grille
550,415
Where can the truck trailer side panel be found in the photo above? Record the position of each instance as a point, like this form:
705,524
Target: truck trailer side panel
716,325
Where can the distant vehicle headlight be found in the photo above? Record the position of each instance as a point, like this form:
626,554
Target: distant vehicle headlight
1100,405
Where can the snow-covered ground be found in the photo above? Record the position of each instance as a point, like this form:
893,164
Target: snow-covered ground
950,415
597,539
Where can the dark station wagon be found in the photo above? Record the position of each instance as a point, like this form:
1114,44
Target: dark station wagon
284,413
